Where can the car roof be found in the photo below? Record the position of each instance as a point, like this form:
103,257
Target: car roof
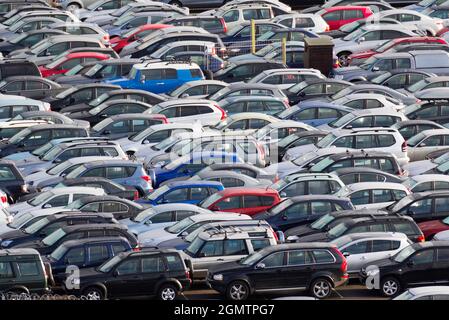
112,161
372,235
433,93
95,240
18,252
429,290
375,185
311,197
430,177
252,115
233,191
78,189
190,183
219,215
432,132
178,206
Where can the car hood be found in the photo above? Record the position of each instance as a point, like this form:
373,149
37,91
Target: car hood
34,244
13,234
227,267
20,156
154,237
320,236
177,243
349,70
418,167
299,151
431,225
312,9
19,207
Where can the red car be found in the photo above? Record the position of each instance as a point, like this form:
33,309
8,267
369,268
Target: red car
118,43
341,15
432,227
249,201
361,56
65,63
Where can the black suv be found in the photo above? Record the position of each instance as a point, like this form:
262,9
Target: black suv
46,226
146,273
388,223
12,181
316,267
419,264
18,67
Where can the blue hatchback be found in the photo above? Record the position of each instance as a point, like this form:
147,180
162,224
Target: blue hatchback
188,165
314,113
191,192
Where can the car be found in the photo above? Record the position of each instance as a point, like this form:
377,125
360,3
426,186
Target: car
400,78
360,249
411,128
12,182
13,105
14,259
235,15
125,172
425,142
18,67
34,137
192,192
101,283
242,32
302,209
161,216
90,29
314,88
30,87
430,107
212,248
26,23
308,21
423,206
197,89
239,280
263,104
275,131
285,78
378,101
427,182
425,293
84,253
403,270
229,178
427,83
247,89
245,70
28,39
267,50
9,7
361,174
378,223
338,16
124,125
241,168
374,195
47,225
12,127
249,201
294,140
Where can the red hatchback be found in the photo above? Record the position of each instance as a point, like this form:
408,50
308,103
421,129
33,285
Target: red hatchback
357,58
65,63
249,201
341,15
118,43
432,227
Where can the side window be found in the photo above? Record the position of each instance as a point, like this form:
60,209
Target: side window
360,197
441,205
274,260
117,248
28,268
357,248
384,245
423,257
97,253
320,207
6,270
323,256
212,249
129,267
382,196
229,203
298,257
231,16
59,201
153,264
235,247
260,244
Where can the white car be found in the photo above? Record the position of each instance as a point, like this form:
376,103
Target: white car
427,182
10,128
369,139
273,132
373,195
5,218
425,293
236,15
307,21
360,249
285,78
11,106
184,227
58,197
136,143
427,141
441,236
244,123
82,28
198,89
412,18
369,101
207,112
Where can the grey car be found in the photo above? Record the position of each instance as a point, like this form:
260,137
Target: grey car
427,83
246,89
55,117
263,104
230,179
410,128
363,174
30,86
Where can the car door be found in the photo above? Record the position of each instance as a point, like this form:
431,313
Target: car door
428,145
266,275
292,216
153,270
299,269
417,269
441,266
126,278
356,254
96,254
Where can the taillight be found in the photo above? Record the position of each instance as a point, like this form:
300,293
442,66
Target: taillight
136,195
261,150
136,248
4,199
223,113
344,263
146,178
421,238
225,26
404,146
106,37
327,28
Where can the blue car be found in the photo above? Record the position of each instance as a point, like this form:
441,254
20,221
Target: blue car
159,77
191,192
314,113
188,165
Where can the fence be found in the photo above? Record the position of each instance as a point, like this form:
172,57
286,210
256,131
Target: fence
35,297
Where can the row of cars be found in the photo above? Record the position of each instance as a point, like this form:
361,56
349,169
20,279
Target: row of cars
149,174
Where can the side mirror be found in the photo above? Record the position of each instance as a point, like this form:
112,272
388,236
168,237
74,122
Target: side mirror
46,206
99,8
283,194
375,69
145,142
281,236
361,39
284,217
260,266
410,263
103,115
302,94
106,132
346,254
185,95
201,255
348,126
184,234
57,160
47,53
142,78
148,222
422,145
116,273
214,208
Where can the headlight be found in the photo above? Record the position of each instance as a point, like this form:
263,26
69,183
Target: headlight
6,243
218,277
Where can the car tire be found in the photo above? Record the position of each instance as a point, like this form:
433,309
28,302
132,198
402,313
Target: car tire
167,292
343,58
93,293
73,7
390,287
321,288
176,3
237,291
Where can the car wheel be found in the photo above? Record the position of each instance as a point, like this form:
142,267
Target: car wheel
237,290
73,6
176,3
343,58
321,288
93,293
390,287
167,292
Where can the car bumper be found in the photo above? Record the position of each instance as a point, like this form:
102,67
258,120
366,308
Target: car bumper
216,285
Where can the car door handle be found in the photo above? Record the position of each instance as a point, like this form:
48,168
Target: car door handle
220,259
160,83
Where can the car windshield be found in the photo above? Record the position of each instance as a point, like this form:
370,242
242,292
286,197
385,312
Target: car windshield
20,220
141,135
417,86
266,50
369,63
210,200
443,168
76,204
279,184
19,136
53,237
322,222
350,27
37,226
252,258
281,207
287,140
75,70
122,20
415,140
321,165
220,93
410,183
340,122
354,35
267,35
196,245
61,167
158,192
383,47
108,265
75,173
338,230
176,163
304,158
262,132
179,226
404,254
298,87
66,92
381,78
164,144
407,295
19,38
59,252
95,5
40,198
341,93
142,216
51,154
55,63
401,204
93,70
41,46
99,100
326,141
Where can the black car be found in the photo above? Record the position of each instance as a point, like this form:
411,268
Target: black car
314,88
315,267
84,253
18,67
411,128
362,174
9,6
82,93
423,206
295,140
12,181
388,223
82,231
160,273
329,220
300,210
46,226
30,86
419,264
33,137
245,70
400,78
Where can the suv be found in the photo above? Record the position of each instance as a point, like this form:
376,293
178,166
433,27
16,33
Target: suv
22,271
415,265
239,13
159,77
12,181
215,247
315,267
159,272
18,67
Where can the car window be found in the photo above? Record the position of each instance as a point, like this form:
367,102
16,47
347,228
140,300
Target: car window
153,264
423,257
274,260
59,201
6,270
323,256
97,253
357,248
128,267
212,249
260,244
28,268
75,256
382,195
360,197
298,257
229,203
235,247
320,207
